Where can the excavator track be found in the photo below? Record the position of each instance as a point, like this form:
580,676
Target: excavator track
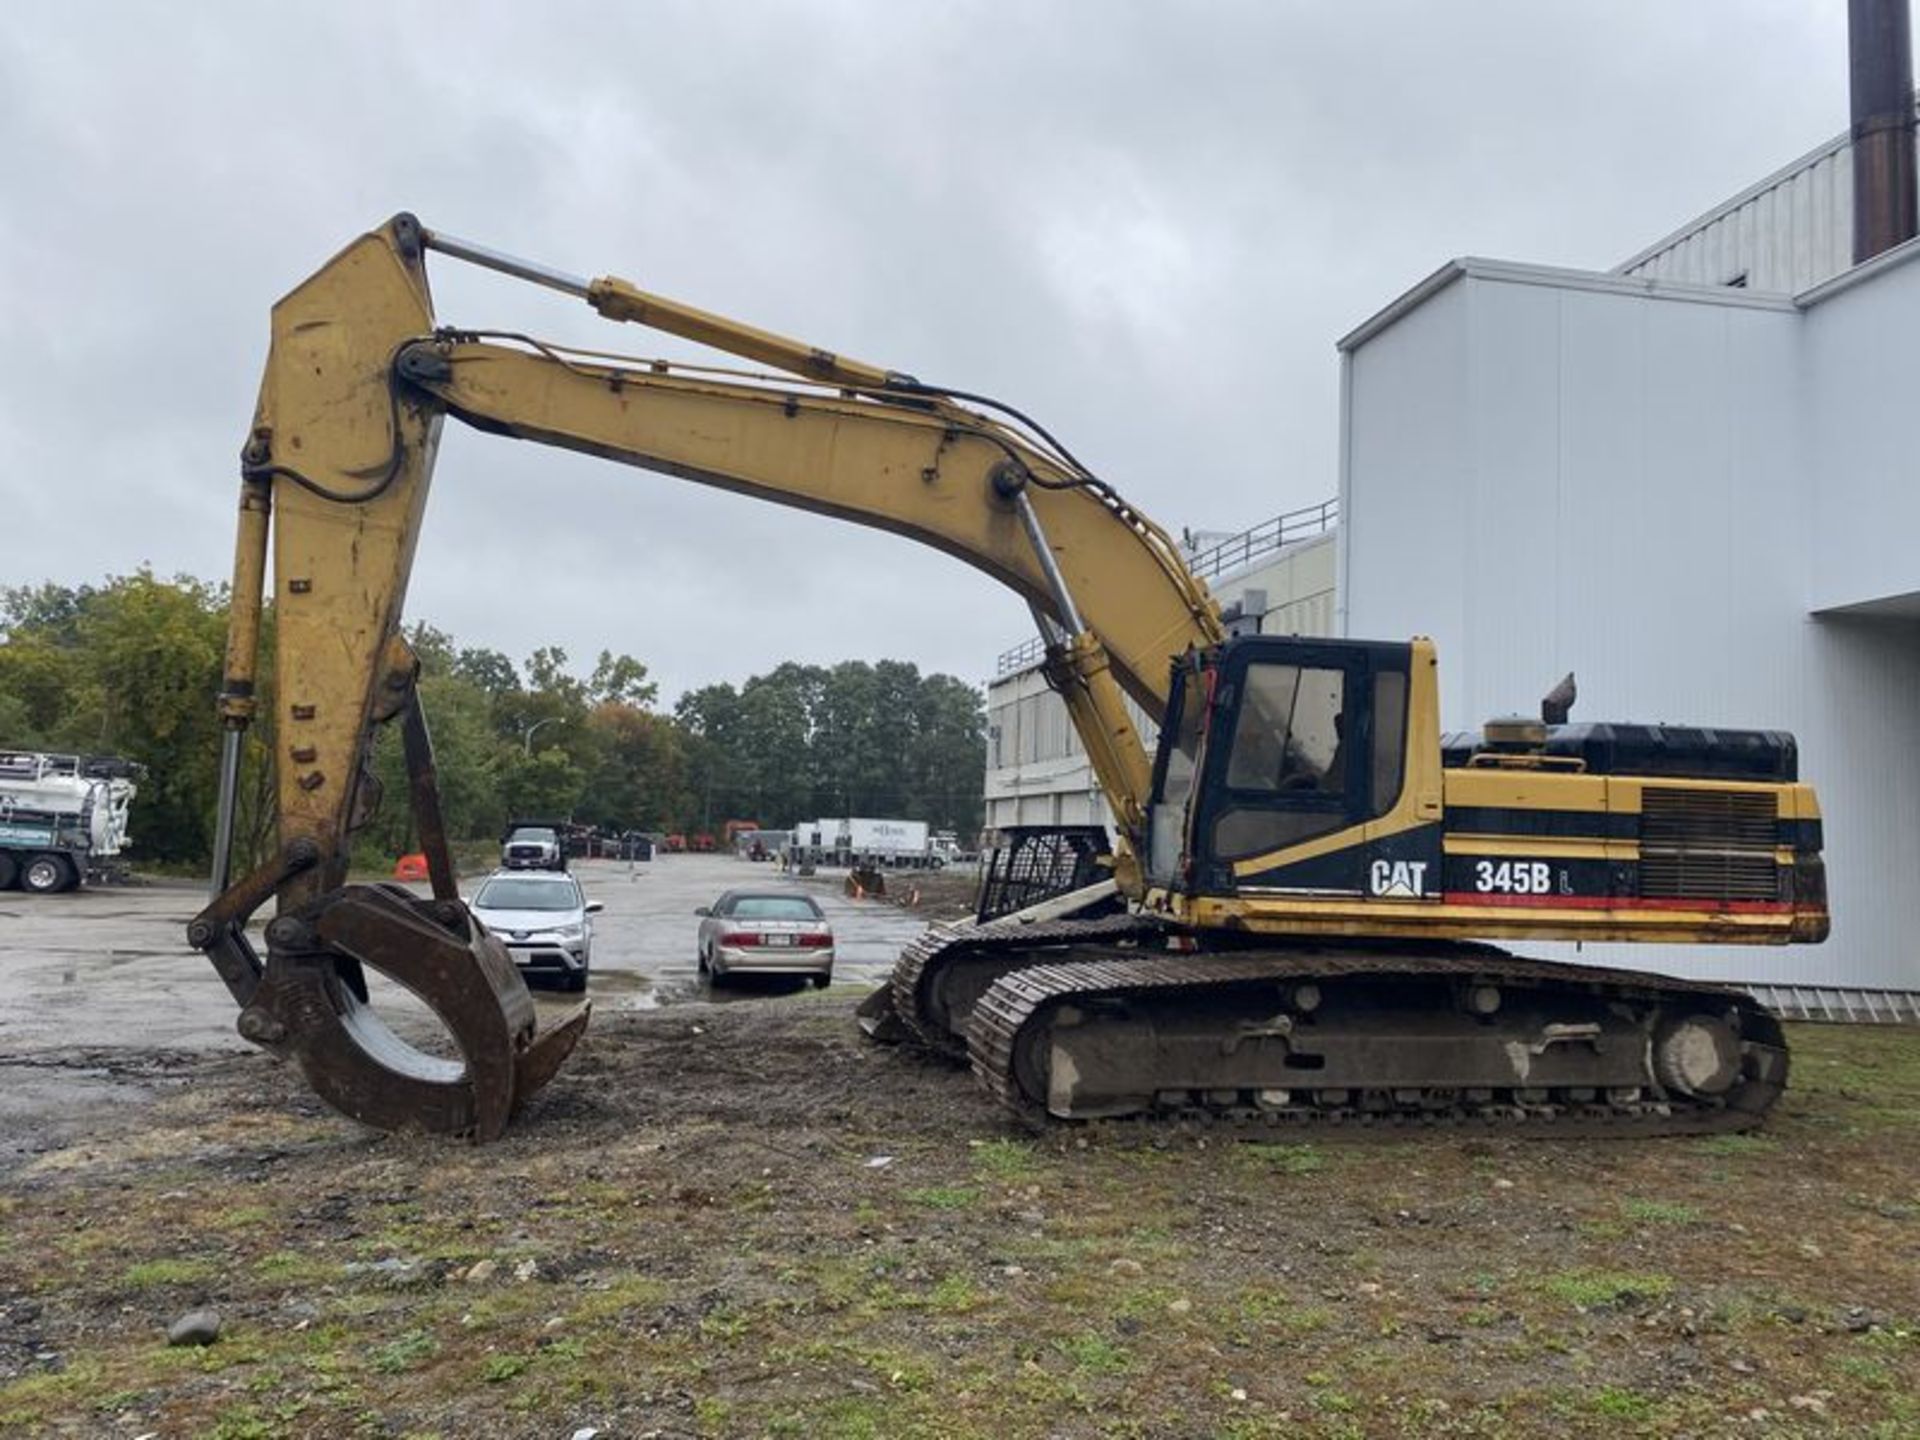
1265,1041
941,975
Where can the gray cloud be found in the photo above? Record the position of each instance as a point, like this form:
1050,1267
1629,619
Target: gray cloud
1144,223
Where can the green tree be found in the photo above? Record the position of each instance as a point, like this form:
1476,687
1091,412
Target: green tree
949,756
622,679
546,783
490,670
641,779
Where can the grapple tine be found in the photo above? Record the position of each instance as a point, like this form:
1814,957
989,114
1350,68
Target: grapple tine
542,1059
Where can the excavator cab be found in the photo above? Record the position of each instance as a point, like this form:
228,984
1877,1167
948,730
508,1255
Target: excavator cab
1286,763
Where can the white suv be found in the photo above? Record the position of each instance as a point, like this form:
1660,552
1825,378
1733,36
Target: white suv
543,918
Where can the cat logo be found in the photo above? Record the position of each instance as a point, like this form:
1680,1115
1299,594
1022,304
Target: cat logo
1400,879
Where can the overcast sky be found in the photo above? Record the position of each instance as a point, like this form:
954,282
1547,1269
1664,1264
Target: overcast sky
1143,223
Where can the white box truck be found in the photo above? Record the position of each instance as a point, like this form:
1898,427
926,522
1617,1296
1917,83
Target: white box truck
891,842
61,816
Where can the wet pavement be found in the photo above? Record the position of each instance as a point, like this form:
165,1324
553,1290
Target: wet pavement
98,987
105,968
643,942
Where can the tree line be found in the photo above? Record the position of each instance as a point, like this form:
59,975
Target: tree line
131,667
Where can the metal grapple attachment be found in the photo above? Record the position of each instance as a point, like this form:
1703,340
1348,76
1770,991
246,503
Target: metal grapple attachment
308,1002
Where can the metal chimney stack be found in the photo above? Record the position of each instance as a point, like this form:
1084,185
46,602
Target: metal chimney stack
1880,42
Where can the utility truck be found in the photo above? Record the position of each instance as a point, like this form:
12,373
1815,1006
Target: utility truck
60,817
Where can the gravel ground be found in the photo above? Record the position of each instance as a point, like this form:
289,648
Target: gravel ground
741,1219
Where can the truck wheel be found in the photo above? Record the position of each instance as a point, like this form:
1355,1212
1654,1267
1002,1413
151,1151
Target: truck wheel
9,872
45,874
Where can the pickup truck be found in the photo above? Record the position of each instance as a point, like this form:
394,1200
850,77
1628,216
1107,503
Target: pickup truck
533,845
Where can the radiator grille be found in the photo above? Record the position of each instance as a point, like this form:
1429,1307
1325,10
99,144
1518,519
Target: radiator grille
1708,844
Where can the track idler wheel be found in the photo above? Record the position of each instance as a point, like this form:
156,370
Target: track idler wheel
312,1006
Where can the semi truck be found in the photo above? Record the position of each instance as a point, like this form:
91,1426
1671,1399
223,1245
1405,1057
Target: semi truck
61,817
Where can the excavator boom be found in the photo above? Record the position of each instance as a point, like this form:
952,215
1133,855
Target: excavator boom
335,477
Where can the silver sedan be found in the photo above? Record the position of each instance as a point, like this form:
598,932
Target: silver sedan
765,932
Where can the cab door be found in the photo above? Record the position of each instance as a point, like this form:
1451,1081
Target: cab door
1305,748
1283,771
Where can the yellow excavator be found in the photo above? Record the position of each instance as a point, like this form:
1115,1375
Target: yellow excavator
1308,880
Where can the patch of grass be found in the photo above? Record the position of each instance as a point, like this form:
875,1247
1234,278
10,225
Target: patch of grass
501,1368
1616,1402
1302,1158
1591,1289
1738,1145
244,1217
27,1402
900,1370
152,1274
244,1423
944,1197
1660,1212
723,1324
1259,1307
1095,1354
1307,1321
1004,1159
289,1267
1604,1232
955,1295
850,1417
1865,1371
624,1293
408,1352
569,1349
1891,1337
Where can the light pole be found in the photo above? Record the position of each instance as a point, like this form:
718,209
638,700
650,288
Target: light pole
528,736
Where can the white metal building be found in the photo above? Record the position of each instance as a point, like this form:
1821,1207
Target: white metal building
1701,497
1037,771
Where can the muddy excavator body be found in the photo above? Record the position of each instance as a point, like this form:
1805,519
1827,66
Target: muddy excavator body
1324,872
1292,921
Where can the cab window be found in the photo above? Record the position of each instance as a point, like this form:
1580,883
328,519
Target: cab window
1288,736
1389,738
1183,750
1287,771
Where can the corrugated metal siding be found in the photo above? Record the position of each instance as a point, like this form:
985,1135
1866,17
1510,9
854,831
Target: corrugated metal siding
1788,233
1650,491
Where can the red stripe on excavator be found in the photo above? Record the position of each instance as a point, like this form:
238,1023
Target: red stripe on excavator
1616,902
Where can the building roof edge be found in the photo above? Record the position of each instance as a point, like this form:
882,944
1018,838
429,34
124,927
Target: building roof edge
1886,260
1512,272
